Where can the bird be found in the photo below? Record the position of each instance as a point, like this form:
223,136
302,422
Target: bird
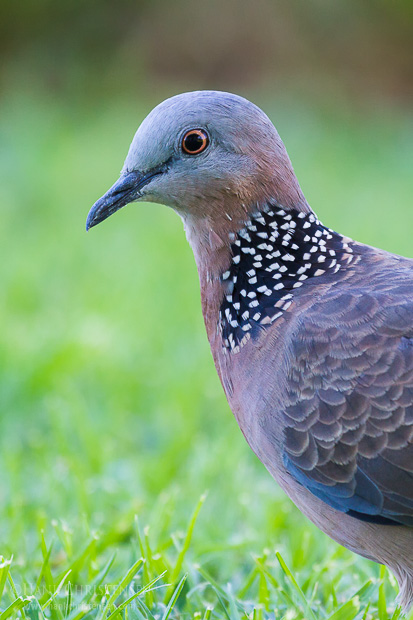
311,332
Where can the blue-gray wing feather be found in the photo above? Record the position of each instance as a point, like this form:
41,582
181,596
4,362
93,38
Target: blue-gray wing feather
349,418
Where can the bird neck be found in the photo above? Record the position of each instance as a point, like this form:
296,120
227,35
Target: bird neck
252,272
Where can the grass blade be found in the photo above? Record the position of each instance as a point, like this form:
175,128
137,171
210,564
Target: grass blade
173,598
296,587
68,607
348,611
178,566
82,606
207,614
4,571
46,571
124,582
56,592
15,606
381,604
135,595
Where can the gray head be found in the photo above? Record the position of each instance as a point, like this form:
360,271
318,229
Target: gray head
204,153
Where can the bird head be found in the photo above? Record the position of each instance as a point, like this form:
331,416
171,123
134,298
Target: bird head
210,155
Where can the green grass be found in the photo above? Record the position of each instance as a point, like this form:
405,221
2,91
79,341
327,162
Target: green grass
113,424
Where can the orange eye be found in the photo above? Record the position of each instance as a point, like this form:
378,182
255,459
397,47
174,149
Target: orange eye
195,141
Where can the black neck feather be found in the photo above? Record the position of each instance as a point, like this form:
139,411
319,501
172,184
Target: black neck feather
276,253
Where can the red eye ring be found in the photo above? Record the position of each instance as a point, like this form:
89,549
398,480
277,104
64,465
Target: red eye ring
195,141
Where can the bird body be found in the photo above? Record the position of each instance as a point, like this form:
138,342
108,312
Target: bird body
311,332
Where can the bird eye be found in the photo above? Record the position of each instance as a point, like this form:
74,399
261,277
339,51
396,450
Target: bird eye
195,141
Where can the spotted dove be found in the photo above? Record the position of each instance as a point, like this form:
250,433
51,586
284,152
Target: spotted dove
311,332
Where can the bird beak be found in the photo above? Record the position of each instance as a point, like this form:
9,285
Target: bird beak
126,189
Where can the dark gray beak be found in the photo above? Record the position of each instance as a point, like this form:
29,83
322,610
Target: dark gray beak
126,189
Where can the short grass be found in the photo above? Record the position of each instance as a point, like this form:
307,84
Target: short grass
126,486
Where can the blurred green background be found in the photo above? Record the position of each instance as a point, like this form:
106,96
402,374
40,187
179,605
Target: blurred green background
110,405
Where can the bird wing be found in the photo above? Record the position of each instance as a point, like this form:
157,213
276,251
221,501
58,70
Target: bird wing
349,419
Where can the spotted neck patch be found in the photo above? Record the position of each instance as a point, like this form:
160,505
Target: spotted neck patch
276,253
